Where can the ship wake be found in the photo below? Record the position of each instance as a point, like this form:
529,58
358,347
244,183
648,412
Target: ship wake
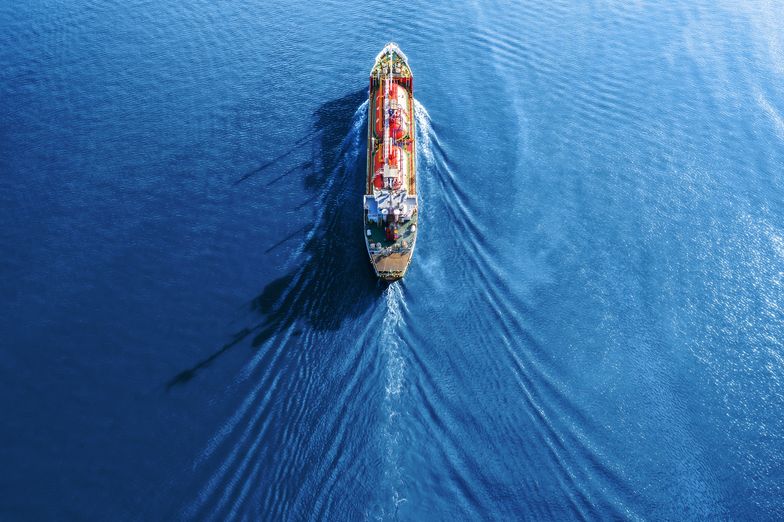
392,352
284,384
512,348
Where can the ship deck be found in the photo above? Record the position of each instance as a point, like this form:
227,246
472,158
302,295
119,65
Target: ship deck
392,262
411,178
377,234
393,259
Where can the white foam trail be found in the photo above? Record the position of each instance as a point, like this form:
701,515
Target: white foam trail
392,345
393,322
425,129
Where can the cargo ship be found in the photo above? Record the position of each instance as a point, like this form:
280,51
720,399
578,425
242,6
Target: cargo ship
390,201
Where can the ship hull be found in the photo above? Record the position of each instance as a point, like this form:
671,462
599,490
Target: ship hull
390,202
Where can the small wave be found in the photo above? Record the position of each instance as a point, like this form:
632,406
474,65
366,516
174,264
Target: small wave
239,440
476,259
775,115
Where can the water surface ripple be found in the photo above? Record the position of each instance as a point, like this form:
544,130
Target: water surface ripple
592,328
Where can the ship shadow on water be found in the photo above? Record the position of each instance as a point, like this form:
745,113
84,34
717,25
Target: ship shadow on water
332,279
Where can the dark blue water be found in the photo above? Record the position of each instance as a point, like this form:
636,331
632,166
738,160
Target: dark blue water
592,328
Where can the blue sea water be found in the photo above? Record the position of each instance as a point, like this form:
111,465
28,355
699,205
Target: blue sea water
592,327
